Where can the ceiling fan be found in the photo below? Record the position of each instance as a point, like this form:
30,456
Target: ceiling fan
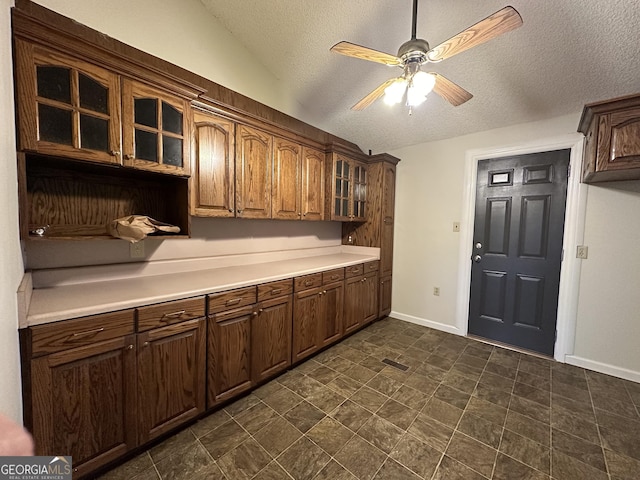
415,53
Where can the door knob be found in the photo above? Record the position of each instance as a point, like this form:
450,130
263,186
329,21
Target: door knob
477,258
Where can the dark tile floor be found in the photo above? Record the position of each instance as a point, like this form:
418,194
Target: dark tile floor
462,410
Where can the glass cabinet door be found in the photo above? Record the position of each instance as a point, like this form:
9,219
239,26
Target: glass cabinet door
155,129
359,191
343,186
67,107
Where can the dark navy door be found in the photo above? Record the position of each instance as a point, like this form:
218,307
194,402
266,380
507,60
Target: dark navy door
517,251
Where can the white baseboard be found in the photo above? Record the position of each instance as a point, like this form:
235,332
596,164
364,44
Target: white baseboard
603,368
426,323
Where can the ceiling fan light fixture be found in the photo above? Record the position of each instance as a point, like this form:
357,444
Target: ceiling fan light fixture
421,85
393,93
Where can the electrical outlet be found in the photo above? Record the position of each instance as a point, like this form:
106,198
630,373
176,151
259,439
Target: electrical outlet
456,226
136,250
582,251
436,291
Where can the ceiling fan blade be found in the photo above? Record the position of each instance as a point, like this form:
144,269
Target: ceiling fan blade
357,51
452,93
373,96
500,22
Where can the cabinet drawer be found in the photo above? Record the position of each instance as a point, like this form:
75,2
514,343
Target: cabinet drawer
275,289
58,336
332,276
372,266
354,271
219,302
308,281
168,313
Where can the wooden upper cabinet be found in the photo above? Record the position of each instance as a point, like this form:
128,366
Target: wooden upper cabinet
212,179
253,172
312,184
612,131
66,107
155,129
287,175
348,186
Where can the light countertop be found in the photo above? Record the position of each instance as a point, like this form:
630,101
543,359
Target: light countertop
50,304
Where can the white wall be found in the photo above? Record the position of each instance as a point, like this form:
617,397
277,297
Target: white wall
426,252
10,255
184,33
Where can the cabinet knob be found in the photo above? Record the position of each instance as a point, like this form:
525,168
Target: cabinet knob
231,210
254,314
324,291
128,156
319,294
260,310
239,211
129,347
114,153
304,214
145,344
299,214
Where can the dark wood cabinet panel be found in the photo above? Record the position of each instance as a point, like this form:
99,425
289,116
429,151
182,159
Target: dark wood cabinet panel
385,295
229,354
313,173
254,160
84,402
352,304
332,308
171,377
612,148
271,338
307,316
369,294
212,180
287,174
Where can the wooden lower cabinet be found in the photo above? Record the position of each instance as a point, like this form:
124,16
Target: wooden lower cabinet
271,338
361,301
306,320
317,316
171,377
84,403
229,353
385,296
332,302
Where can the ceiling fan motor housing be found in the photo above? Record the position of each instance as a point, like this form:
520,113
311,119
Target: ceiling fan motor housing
414,51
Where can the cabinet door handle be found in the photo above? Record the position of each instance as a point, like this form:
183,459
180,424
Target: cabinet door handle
86,333
324,292
254,314
308,283
145,344
128,156
260,310
335,277
171,316
114,153
319,294
231,210
276,291
300,214
233,301
239,211
129,347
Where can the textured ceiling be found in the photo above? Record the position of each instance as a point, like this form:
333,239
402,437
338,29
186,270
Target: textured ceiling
567,53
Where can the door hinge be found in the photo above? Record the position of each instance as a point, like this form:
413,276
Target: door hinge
562,256
568,170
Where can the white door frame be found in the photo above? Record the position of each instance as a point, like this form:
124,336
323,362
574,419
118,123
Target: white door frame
573,235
